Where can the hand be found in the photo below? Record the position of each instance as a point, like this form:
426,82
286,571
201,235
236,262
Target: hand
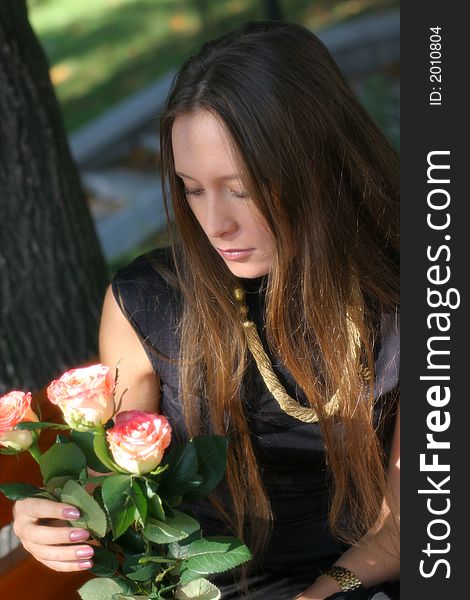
39,523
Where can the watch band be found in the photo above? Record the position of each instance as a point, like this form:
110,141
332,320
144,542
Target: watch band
344,578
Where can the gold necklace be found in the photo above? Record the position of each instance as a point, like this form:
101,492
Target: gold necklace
286,403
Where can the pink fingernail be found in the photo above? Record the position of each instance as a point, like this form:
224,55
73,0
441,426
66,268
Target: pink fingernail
85,552
79,535
85,564
71,513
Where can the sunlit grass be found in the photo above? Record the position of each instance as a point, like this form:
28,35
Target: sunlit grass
101,51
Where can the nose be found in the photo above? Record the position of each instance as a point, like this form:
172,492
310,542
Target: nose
218,220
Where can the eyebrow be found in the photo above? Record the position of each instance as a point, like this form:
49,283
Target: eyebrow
223,178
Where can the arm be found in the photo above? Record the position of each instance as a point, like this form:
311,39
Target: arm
375,559
119,342
56,544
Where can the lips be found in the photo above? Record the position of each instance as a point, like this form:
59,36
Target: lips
235,253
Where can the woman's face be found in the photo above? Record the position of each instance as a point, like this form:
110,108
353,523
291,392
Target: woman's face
215,194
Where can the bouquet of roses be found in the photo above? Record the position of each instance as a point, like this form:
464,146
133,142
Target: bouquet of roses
147,547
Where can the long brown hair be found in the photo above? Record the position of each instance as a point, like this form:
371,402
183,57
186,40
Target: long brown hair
325,180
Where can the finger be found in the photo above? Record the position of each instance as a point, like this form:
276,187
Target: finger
67,567
46,536
68,553
40,508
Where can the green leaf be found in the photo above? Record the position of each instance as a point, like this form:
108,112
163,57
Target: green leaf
194,469
19,491
154,502
118,502
131,542
122,597
98,497
198,588
213,555
175,528
173,501
98,480
182,471
100,589
61,460
100,446
84,441
176,550
125,519
128,597
10,451
46,495
144,573
155,508
55,484
212,460
105,563
32,425
136,571
92,516
139,500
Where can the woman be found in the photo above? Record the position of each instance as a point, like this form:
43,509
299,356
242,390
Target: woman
272,320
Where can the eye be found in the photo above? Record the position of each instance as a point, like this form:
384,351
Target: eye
194,193
239,194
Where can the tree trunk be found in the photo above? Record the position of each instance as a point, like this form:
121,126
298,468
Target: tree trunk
52,271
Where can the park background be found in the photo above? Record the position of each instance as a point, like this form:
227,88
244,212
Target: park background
107,55
80,193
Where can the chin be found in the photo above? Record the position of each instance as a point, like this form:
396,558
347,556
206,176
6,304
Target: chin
247,271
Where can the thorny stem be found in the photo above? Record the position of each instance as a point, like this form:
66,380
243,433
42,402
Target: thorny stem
162,574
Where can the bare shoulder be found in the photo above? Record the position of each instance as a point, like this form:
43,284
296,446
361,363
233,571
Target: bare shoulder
119,342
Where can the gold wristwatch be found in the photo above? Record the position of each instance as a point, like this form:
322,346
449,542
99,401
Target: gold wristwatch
344,578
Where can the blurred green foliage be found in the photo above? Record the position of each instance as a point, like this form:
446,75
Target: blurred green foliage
101,51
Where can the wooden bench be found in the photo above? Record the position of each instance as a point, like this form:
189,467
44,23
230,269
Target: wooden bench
21,576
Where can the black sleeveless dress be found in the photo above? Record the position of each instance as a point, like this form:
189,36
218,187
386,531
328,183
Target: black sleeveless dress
290,453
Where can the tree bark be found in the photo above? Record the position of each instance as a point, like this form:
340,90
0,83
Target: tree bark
52,271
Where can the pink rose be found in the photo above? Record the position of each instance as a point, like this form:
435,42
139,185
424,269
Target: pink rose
138,439
85,396
15,407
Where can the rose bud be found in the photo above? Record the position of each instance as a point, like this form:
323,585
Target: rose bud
85,396
15,407
138,439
